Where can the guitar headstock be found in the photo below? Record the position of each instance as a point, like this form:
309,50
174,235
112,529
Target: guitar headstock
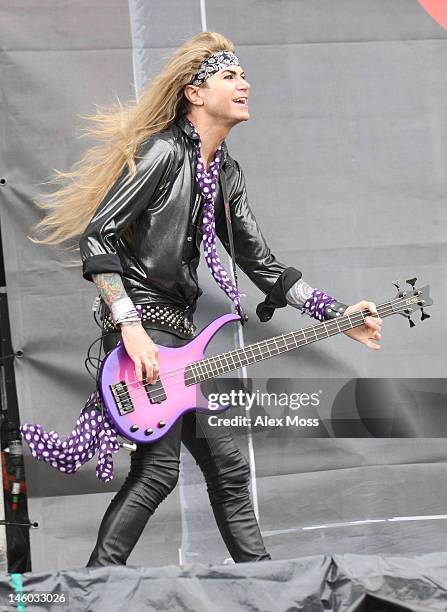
409,301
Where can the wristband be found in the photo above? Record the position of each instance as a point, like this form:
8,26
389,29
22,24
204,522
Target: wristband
315,306
123,310
129,323
334,310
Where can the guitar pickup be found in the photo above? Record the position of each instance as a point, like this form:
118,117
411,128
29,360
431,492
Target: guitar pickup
122,398
156,393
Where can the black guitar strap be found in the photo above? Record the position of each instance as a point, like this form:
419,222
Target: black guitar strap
223,184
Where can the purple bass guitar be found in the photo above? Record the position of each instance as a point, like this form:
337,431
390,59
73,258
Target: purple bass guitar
144,413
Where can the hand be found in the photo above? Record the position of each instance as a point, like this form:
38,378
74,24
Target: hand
142,351
370,330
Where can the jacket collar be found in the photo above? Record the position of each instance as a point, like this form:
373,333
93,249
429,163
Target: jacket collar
186,128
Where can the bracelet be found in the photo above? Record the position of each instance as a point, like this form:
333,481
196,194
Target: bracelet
124,310
129,323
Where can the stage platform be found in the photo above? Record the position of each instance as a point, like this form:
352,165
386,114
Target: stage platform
339,583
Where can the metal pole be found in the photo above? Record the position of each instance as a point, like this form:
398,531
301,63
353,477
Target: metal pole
14,539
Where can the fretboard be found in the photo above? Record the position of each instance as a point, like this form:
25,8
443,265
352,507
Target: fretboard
217,365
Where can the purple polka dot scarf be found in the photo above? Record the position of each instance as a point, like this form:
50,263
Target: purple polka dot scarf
208,186
316,304
92,433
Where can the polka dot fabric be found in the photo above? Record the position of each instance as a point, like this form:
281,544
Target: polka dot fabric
208,185
316,304
92,433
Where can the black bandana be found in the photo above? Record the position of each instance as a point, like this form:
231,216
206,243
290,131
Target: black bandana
213,64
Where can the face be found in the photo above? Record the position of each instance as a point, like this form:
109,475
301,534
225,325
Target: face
225,95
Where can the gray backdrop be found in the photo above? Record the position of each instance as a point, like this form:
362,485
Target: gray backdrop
345,160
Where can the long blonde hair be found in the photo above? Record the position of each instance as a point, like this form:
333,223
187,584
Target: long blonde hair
121,130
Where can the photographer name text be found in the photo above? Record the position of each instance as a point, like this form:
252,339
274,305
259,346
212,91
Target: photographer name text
262,421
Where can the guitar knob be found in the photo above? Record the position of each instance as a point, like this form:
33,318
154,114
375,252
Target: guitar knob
397,284
134,428
161,424
148,432
411,281
412,323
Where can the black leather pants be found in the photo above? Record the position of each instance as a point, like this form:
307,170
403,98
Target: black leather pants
154,472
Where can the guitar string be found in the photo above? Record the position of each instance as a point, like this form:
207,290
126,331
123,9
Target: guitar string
329,323
333,322
235,353
290,343
286,338
262,357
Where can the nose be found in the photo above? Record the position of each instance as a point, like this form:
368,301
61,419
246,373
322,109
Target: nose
244,85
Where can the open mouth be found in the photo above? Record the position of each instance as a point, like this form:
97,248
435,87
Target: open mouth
241,101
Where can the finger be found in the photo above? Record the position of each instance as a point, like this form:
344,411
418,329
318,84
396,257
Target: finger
372,307
373,323
153,358
148,367
155,372
138,370
373,345
361,305
153,369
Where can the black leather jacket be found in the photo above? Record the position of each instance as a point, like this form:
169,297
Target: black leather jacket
148,229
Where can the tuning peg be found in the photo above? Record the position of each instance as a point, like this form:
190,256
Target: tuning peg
400,291
424,315
407,313
411,281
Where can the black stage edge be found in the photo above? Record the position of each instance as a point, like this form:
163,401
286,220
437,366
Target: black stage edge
14,486
339,583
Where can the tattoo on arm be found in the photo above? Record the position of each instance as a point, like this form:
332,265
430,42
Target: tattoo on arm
110,287
299,293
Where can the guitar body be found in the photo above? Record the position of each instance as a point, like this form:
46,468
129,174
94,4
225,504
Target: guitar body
144,413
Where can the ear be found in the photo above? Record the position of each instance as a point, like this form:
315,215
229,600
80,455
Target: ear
193,94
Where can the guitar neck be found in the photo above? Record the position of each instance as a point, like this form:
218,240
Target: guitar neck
230,361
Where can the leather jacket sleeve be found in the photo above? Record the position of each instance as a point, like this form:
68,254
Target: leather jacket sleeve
127,198
252,253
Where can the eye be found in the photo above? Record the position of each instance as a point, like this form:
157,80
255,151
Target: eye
228,76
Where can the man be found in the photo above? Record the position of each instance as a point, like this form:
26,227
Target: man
141,248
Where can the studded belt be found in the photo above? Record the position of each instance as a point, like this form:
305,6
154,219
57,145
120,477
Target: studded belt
165,317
